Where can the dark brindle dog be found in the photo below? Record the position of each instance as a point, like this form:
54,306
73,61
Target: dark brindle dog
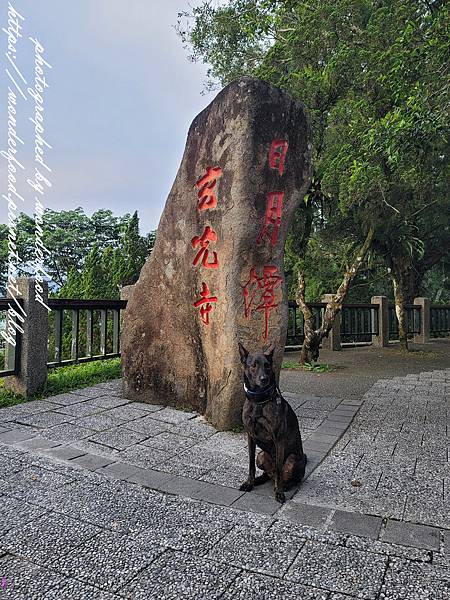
272,425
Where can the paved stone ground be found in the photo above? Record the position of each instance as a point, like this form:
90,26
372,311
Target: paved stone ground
92,501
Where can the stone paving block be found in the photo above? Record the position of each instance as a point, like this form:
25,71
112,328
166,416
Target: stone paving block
93,448
148,425
216,494
257,549
226,473
14,435
26,581
356,524
406,580
118,438
339,418
66,399
91,392
48,537
257,503
142,456
106,401
64,452
149,408
324,438
16,513
169,442
108,560
82,409
156,480
37,443
410,534
313,446
30,482
339,569
251,586
30,408
188,525
66,432
173,416
98,422
122,471
44,419
335,431
196,428
306,514
175,575
73,589
125,413
369,545
91,461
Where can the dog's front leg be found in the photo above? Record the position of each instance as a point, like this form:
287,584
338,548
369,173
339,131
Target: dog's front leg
249,484
279,463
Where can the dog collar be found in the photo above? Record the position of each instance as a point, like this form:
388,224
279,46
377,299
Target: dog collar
261,396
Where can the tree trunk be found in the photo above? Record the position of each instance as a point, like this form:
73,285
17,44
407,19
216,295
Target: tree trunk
400,312
313,337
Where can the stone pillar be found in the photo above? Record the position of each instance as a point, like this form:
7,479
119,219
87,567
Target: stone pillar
125,292
424,336
382,339
33,357
333,341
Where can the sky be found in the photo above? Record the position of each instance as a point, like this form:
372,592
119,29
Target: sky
120,100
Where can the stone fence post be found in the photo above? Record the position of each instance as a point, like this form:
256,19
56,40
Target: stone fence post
32,375
424,336
125,292
333,341
382,339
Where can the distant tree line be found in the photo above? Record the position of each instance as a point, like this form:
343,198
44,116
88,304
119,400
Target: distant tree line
90,257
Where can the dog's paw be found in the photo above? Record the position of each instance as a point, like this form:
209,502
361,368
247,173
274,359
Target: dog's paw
280,497
246,487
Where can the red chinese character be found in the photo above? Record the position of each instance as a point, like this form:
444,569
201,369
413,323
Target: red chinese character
206,185
277,154
259,293
208,235
272,218
204,302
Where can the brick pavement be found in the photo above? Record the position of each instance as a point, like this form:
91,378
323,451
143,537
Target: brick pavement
100,502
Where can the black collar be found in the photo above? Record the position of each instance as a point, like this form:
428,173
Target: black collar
261,396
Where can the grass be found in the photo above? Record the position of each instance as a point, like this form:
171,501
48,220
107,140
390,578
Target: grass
65,379
295,366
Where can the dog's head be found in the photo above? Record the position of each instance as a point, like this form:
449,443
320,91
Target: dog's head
258,367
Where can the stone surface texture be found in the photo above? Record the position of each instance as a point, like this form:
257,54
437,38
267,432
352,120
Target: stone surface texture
85,528
178,354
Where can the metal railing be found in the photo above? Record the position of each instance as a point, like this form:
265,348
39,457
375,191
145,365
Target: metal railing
439,321
84,330
359,322
9,353
413,321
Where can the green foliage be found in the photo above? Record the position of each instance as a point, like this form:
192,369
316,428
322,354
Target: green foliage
374,76
87,255
65,379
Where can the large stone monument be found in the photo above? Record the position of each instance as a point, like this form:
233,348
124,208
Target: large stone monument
216,273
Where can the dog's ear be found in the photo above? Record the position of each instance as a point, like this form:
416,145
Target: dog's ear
243,352
269,352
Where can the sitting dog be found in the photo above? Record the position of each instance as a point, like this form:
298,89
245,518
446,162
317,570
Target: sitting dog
272,425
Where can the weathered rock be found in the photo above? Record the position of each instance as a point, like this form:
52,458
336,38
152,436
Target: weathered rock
221,237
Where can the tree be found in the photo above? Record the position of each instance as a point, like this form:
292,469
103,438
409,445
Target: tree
374,78
132,254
